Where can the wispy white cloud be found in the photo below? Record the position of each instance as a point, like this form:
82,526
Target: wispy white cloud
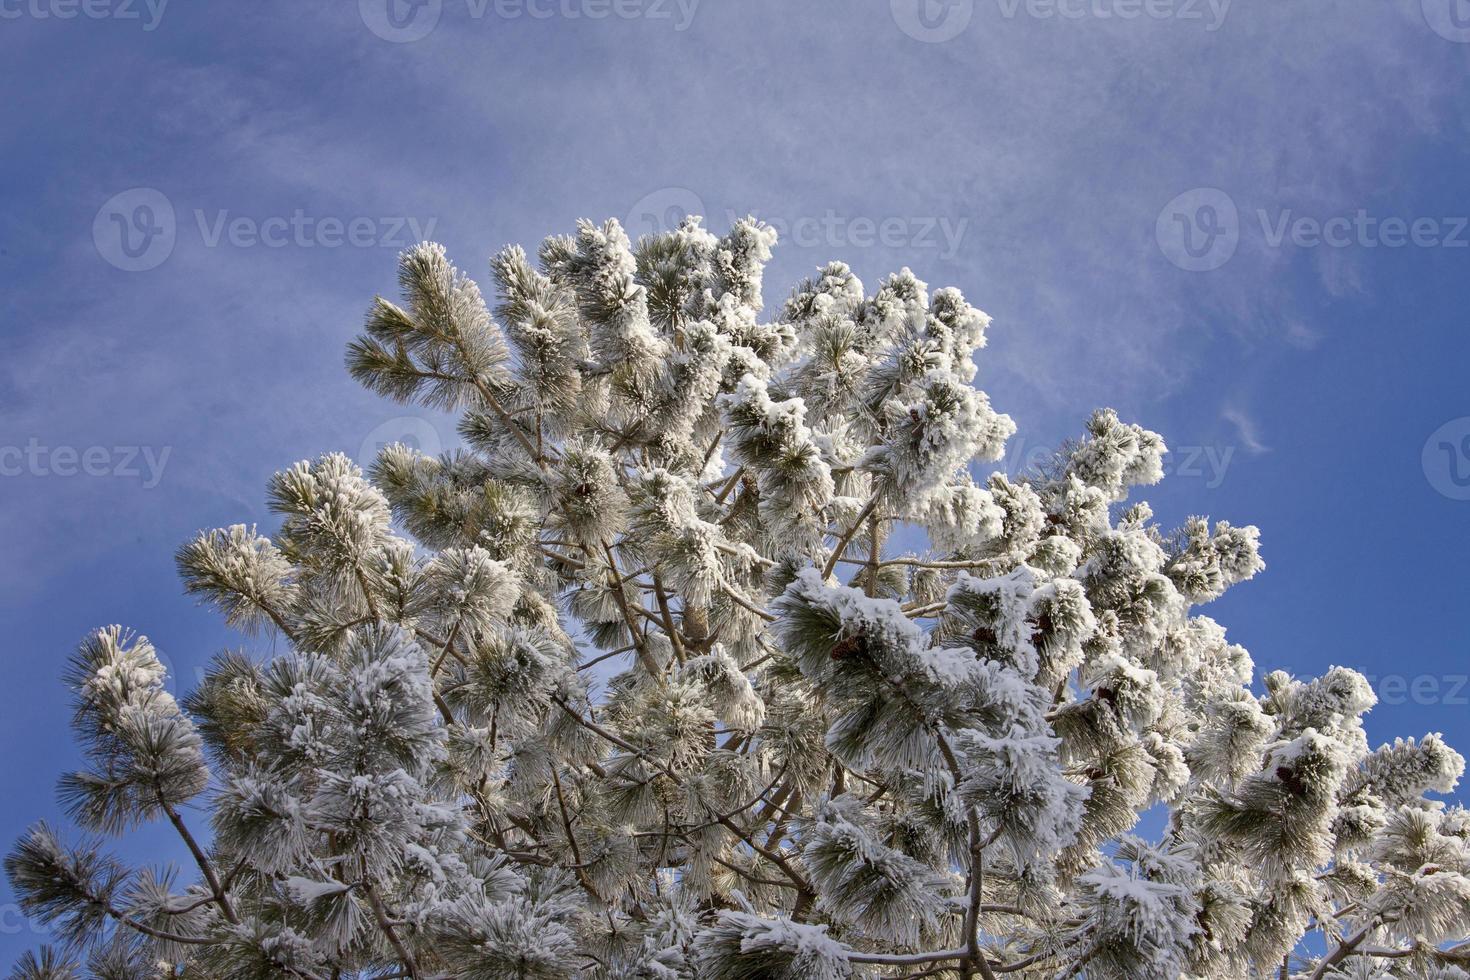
1245,429
1052,143
1057,141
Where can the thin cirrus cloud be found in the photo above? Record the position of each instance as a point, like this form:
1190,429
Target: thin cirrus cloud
1245,430
1056,142
1047,146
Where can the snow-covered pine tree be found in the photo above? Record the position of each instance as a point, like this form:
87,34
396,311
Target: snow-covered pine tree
859,716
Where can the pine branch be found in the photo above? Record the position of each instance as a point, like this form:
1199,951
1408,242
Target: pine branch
1345,948
380,915
511,425
847,536
668,617
649,664
775,858
205,865
974,960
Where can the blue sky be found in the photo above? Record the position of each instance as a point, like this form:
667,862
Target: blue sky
1241,224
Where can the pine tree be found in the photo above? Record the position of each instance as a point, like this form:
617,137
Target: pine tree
708,657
